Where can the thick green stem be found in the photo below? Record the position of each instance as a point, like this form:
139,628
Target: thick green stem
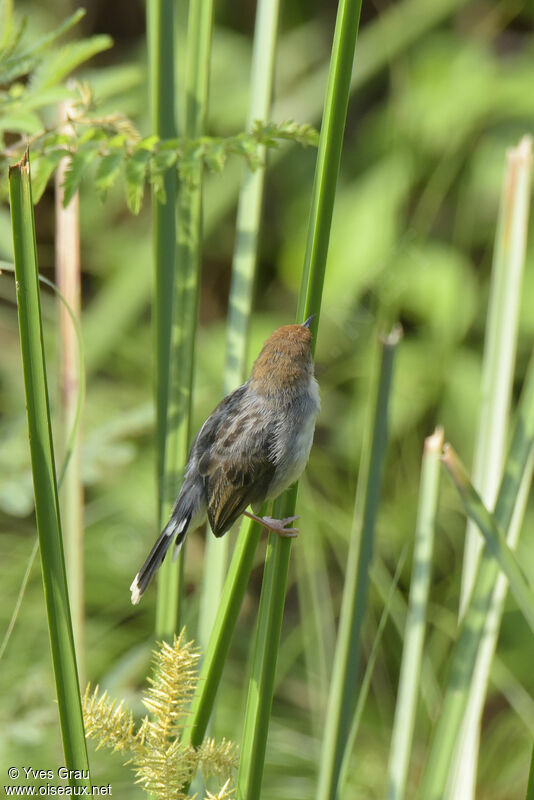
222,631
44,474
160,32
272,600
185,305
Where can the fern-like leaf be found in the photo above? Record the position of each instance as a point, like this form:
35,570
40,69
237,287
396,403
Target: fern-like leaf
108,171
136,169
68,57
79,162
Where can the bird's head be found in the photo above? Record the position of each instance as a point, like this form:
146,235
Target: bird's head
285,363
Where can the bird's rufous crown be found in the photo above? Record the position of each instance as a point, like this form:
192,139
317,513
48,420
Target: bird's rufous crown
284,361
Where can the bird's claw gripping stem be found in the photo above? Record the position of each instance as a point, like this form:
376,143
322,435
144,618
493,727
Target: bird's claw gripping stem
276,525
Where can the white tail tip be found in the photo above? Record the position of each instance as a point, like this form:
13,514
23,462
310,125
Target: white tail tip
134,588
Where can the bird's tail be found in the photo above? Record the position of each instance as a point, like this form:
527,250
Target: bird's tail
177,527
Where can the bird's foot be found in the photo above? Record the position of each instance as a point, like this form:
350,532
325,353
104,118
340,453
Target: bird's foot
276,525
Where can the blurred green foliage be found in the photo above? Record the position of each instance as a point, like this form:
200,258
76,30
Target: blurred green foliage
412,239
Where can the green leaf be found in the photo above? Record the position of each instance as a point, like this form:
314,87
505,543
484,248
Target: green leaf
76,169
21,122
10,36
45,41
43,165
136,167
107,172
117,141
157,181
17,67
69,57
48,97
162,161
170,144
215,158
148,143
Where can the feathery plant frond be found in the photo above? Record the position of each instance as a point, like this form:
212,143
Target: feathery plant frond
112,723
222,794
163,762
171,689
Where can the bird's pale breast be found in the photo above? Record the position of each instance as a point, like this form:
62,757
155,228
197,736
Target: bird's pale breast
294,440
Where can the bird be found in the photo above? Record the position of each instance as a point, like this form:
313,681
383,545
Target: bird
252,447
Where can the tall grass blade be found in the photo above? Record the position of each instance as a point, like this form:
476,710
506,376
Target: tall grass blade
412,654
70,445
185,304
530,787
497,381
500,344
160,35
221,634
261,684
43,468
495,540
161,58
243,271
368,674
465,650
345,678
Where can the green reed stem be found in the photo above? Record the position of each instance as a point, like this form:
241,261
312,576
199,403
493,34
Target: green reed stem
496,392
185,303
500,343
412,653
272,600
222,631
465,652
495,540
161,57
43,468
160,35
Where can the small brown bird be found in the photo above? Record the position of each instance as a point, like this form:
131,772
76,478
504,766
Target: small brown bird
253,446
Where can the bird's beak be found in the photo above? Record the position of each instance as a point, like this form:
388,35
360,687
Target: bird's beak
308,322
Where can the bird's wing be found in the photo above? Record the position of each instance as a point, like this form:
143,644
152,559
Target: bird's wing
235,464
